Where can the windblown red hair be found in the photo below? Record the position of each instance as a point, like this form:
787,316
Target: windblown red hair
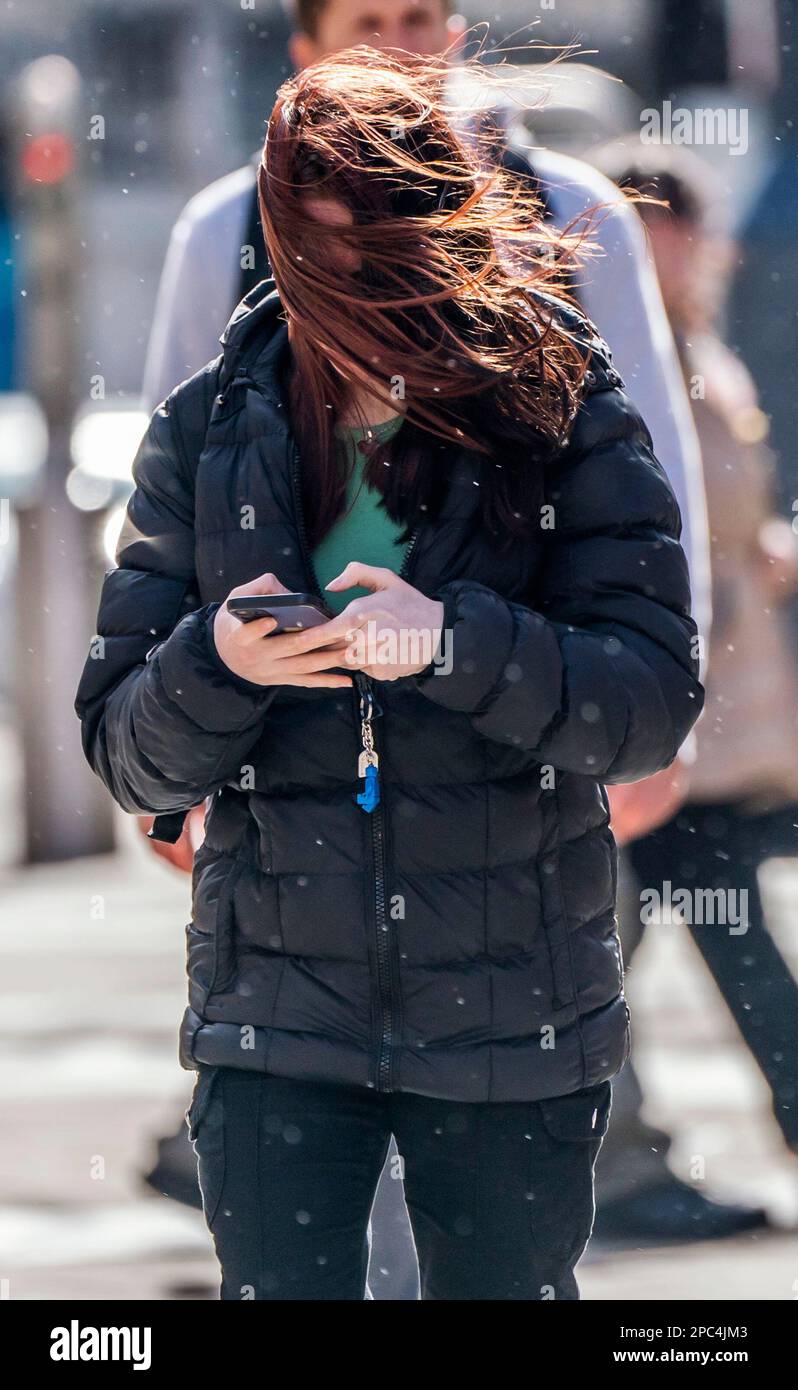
450,307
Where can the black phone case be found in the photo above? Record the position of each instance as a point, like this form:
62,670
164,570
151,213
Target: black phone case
302,612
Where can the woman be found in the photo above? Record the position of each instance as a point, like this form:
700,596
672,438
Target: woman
403,916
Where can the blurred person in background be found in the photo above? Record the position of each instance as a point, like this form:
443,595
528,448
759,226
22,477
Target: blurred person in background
763,301
384,249
217,243
742,805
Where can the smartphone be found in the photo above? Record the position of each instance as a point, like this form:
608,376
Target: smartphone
294,612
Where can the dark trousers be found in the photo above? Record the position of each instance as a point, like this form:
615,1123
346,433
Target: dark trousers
500,1196
720,847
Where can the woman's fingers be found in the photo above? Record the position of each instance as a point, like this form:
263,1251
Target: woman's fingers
331,682
286,644
267,583
357,576
338,630
323,660
255,631
355,616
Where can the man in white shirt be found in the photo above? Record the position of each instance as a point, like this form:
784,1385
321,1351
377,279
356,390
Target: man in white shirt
216,252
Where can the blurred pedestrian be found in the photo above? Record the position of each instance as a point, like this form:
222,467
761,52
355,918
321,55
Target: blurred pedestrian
742,805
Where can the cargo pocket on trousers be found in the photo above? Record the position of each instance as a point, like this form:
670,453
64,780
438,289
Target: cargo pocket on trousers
564,1144
583,1115
205,1120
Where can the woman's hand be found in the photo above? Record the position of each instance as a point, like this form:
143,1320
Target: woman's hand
276,661
394,631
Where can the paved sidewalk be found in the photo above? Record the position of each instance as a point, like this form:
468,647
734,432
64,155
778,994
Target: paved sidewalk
92,994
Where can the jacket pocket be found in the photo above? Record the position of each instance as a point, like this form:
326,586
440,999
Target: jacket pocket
555,922
224,943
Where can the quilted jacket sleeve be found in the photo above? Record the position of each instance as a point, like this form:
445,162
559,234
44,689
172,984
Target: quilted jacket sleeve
164,722
603,678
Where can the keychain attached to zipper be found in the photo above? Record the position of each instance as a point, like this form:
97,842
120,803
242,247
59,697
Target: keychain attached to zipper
368,763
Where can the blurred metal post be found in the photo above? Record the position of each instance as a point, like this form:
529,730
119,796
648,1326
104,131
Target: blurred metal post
68,813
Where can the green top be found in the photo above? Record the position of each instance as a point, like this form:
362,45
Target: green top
364,531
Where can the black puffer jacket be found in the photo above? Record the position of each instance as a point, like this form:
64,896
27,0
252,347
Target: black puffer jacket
460,941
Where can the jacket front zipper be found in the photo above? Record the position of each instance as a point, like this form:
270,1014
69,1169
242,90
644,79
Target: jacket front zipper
385,991
364,697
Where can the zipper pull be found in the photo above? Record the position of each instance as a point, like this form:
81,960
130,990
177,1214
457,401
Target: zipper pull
370,798
368,763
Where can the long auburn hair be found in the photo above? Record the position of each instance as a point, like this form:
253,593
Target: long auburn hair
451,309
